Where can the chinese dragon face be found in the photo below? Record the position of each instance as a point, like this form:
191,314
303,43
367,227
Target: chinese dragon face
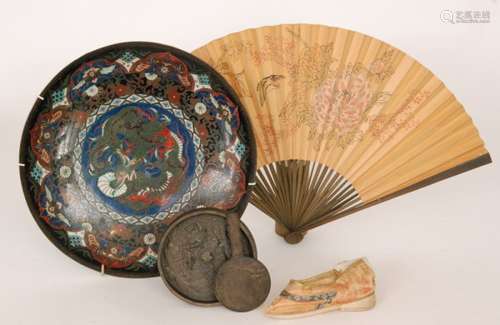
124,141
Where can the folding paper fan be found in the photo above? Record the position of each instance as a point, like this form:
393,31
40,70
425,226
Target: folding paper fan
342,121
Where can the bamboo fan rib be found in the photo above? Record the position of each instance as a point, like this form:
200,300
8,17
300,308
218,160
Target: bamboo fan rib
286,191
342,121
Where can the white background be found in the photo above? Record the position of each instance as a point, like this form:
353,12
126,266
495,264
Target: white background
435,251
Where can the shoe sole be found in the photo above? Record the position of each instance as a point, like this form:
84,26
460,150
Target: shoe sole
364,304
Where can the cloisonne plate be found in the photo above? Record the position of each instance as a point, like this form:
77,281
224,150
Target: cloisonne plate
121,142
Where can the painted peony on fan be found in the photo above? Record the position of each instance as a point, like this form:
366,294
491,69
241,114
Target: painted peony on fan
343,121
